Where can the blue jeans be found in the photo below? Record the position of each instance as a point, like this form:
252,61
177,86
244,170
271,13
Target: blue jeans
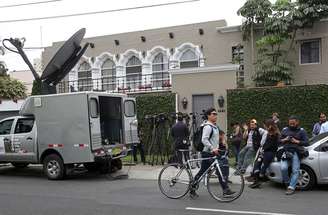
245,157
296,163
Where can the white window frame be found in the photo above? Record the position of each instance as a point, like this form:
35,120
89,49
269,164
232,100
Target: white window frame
300,52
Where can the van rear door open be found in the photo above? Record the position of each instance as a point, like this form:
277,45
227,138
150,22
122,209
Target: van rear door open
94,121
130,121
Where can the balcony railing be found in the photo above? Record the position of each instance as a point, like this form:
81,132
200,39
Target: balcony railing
131,83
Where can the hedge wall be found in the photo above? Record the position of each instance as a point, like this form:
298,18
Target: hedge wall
153,104
304,101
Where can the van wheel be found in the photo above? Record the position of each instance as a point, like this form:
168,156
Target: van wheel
20,165
53,167
306,179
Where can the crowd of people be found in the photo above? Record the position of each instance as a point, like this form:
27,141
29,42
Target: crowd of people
262,145
255,144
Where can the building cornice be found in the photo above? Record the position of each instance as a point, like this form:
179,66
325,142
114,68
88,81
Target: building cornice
197,70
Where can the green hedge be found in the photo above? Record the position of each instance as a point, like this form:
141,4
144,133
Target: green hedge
304,101
153,104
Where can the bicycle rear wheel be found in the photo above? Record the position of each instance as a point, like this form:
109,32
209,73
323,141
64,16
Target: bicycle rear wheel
236,184
174,181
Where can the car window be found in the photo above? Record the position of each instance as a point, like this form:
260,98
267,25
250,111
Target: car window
5,126
24,126
323,147
317,138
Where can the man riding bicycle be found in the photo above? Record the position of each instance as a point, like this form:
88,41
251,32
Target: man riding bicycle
210,140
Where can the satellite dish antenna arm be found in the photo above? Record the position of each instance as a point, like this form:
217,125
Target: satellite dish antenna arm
19,47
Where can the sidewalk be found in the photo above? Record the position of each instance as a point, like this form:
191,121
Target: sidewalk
147,172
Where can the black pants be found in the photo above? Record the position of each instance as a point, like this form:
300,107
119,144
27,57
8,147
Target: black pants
207,163
184,153
135,147
266,160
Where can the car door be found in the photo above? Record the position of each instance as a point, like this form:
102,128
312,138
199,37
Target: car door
323,161
6,147
24,140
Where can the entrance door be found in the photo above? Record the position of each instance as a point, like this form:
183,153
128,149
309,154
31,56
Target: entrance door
201,103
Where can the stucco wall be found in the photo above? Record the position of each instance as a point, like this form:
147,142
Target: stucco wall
215,82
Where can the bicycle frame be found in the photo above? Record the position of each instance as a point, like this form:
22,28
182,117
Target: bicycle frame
215,164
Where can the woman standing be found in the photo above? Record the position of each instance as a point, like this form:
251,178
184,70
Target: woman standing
236,139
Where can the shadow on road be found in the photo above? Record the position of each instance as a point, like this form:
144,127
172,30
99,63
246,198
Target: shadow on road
37,172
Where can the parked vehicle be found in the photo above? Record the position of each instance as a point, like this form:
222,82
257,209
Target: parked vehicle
313,168
60,131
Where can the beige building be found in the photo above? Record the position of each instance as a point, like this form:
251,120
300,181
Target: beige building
195,61
25,76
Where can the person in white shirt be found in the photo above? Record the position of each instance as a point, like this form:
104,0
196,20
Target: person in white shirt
324,128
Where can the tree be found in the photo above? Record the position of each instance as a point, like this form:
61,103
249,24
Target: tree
10,88
272,65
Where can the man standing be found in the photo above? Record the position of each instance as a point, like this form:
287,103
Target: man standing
293,138
210,140
255,137
180,134
317,127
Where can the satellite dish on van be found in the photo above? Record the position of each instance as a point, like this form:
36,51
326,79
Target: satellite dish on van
60,65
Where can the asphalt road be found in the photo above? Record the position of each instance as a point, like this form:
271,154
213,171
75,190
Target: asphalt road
24,192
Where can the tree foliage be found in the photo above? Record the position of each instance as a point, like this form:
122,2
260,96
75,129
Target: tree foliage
10,88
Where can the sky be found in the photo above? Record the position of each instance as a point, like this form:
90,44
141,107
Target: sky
41,33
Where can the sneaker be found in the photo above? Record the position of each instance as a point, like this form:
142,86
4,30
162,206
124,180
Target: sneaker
193,194
256,184
290,191
228,193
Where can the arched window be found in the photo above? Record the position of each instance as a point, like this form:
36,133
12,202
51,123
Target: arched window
189,59
160,71
108,75
84,77
133,72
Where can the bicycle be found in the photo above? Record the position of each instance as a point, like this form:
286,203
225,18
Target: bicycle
175,180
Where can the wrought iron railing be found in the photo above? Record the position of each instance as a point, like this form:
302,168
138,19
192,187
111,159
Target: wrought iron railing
131,83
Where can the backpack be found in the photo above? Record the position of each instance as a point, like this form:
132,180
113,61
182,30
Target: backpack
197,138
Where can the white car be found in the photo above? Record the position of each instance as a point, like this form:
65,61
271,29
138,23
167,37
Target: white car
314,168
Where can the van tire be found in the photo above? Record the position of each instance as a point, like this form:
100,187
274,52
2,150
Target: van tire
53,167
20,165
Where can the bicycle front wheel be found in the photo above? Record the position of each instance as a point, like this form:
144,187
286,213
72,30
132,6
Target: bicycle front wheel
174,181
235,183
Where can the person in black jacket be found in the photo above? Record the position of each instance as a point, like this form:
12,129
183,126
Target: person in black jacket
180,134
266,153
255,137
293,139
